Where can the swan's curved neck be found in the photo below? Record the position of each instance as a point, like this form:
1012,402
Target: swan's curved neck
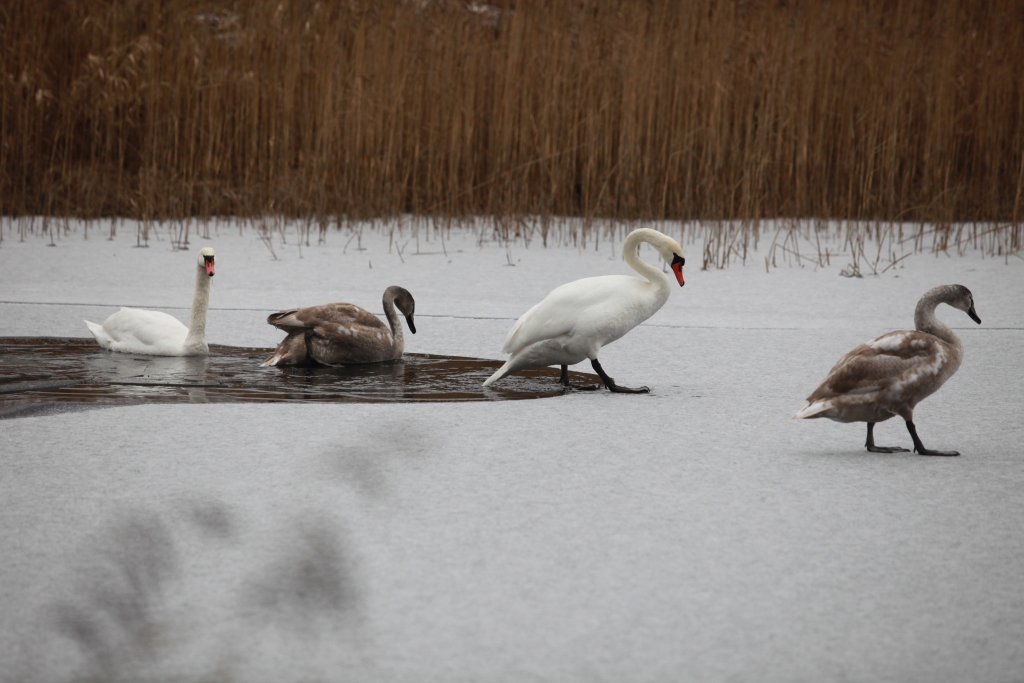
925,320
652,273
200,302
394,319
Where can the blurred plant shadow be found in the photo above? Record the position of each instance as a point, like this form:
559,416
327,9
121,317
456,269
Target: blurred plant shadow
311,578
366,460
136,604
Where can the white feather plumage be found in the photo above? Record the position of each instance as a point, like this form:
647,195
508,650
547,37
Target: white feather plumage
135,330
575,320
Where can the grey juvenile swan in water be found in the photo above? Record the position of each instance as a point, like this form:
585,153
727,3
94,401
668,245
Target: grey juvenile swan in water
891,374
337,334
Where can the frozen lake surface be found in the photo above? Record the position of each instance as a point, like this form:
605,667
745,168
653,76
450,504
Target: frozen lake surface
695,533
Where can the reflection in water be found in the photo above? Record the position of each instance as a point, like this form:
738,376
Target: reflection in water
387,381
120,367
150,375
41,374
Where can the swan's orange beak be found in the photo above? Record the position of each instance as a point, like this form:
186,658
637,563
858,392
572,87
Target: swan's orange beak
677,268
209,265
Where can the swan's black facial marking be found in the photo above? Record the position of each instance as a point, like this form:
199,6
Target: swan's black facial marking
966,298
403,301
208,262
677,267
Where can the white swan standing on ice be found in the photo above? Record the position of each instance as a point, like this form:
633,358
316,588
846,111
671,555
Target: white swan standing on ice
133,330
575,320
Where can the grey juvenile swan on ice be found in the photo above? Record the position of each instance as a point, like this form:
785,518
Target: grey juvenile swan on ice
891,374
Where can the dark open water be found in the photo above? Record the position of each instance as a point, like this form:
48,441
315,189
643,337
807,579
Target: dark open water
40,375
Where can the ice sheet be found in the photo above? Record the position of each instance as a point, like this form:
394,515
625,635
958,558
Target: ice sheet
692,534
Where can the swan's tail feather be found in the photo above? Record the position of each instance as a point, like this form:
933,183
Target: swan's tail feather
102,338
813,410
291,351
501,372
276,358
507,346
285,320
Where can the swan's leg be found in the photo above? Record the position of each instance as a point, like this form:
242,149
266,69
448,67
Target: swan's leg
610,383
309,346
564,380
919,447
870,444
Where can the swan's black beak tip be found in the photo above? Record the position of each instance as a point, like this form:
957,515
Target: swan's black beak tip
412,325
974,314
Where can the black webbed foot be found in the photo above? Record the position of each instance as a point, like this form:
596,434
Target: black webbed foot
928,451
310,359
919,447
627,390
564,381
610,383
872,448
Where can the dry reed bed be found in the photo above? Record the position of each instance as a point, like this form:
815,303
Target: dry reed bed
879,110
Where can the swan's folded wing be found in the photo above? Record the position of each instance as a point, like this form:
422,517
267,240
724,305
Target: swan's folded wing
512,342
876,365
560,311
136,326
316,316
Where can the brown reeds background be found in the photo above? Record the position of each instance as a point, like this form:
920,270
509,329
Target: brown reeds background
873,110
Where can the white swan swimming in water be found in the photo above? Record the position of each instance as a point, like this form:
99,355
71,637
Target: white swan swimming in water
575,320
891,374
134,330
